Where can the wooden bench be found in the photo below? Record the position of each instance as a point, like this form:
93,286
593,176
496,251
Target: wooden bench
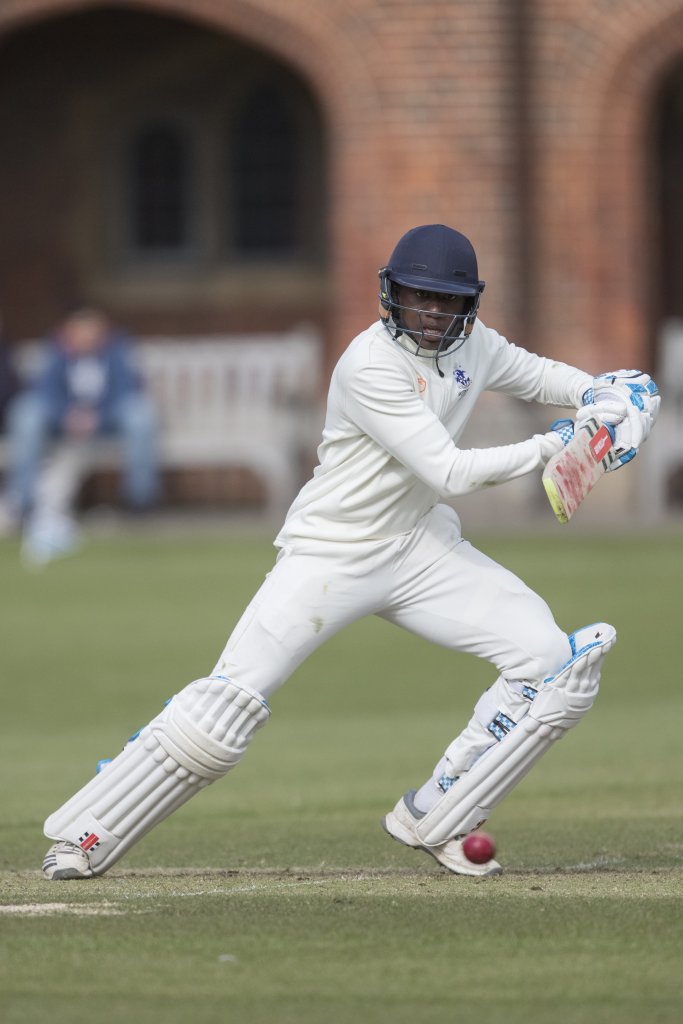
227,401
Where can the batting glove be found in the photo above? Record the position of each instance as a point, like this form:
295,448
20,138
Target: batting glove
565,428
627,401
561,432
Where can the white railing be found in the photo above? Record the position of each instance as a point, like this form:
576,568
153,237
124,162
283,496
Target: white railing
250,401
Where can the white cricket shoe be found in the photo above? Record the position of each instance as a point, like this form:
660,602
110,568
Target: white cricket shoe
64,861
400,824
48,537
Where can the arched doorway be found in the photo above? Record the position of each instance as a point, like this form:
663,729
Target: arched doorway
668,288
669,192
168,171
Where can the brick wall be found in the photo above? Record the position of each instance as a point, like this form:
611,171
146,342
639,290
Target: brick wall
597,70
522,122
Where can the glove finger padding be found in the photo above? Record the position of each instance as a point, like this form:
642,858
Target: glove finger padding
638,389
611,410
633,430
637,393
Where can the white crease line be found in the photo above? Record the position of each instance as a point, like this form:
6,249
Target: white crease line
46,909
592,865
253,887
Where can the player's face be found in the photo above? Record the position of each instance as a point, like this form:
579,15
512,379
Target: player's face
428,315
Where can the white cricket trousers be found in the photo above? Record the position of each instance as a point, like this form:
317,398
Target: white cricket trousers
429,581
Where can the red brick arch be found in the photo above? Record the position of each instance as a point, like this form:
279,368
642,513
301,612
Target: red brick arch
628,245
599,77
337,74
333,67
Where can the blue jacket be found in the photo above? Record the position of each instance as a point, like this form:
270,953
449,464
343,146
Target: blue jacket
97,381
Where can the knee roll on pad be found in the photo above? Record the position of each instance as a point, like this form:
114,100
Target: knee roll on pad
560,703
207,726
199,736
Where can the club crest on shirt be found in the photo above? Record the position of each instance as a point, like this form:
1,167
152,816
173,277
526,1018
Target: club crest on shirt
462,381
421,385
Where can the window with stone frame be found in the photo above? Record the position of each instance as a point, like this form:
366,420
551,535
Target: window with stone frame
159,189
265,183
217,186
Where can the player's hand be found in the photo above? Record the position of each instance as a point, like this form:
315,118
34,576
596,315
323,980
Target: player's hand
614,413
627,401
629,434
617,395
609,409
564,428
553,441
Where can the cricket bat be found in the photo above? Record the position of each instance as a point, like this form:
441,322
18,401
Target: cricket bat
571,474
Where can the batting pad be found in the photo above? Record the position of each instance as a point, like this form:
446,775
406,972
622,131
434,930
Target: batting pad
199,736
561,702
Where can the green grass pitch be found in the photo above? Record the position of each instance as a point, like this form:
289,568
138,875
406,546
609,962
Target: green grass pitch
275,897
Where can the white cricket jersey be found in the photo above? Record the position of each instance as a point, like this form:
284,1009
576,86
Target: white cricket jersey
389,448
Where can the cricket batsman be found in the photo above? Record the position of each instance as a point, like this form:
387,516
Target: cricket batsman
373,533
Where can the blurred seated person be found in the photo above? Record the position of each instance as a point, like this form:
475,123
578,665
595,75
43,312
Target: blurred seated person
88,388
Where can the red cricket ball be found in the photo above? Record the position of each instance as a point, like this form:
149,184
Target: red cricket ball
479,847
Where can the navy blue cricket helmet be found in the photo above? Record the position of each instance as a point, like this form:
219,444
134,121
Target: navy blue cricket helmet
432,258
